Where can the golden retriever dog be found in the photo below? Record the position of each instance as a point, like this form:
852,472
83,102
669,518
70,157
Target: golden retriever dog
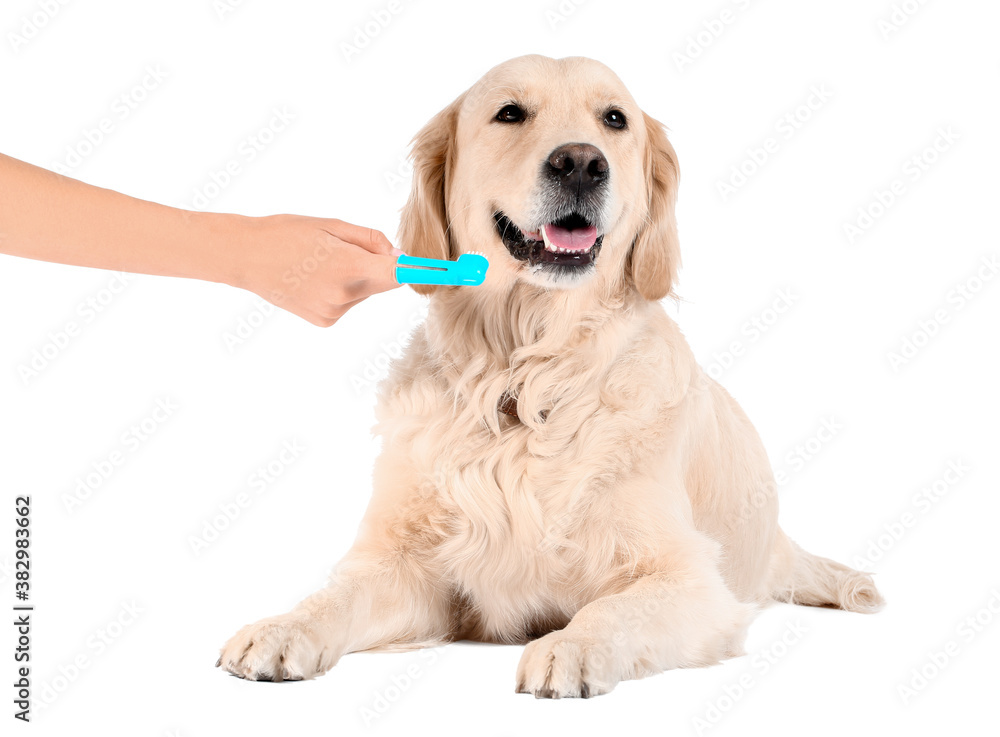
556,468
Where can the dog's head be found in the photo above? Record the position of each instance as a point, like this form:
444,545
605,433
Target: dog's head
549,168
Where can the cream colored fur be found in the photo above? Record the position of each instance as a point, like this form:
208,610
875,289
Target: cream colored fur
628,519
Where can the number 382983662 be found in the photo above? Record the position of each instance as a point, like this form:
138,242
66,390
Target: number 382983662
22,547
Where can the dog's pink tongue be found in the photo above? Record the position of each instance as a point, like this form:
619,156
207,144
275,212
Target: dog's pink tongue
578,239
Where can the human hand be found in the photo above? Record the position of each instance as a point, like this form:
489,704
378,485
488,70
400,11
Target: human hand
316,268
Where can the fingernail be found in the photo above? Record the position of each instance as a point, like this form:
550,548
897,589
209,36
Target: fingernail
397,253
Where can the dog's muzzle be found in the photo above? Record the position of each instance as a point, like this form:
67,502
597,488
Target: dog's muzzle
575,180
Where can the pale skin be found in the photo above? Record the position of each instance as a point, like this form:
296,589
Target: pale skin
316,268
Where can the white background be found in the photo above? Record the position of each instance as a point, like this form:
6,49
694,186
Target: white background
825,358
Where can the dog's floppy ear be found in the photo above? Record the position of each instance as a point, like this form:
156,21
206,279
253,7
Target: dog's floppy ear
423,226
656,255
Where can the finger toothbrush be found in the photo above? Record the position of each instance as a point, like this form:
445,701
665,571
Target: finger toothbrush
468,271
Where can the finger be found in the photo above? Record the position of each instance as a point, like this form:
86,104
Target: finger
373,241
298,309
309,315
333,313
349,305
380,274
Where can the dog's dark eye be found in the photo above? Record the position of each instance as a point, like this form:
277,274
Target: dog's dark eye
510,114
615,119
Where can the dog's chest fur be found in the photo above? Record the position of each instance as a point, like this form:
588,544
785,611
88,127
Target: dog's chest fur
507,501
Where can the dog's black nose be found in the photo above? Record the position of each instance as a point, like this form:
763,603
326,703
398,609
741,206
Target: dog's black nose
577,165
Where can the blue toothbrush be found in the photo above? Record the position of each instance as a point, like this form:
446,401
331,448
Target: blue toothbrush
468,271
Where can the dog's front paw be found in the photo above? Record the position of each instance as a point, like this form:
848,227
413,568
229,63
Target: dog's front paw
282,648
561,665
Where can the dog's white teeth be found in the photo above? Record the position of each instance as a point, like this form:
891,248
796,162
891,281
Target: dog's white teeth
548,243
549,246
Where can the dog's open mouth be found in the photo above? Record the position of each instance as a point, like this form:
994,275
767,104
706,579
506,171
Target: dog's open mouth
570,241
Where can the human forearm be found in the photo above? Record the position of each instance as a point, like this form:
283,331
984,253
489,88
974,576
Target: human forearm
46,216
316,268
